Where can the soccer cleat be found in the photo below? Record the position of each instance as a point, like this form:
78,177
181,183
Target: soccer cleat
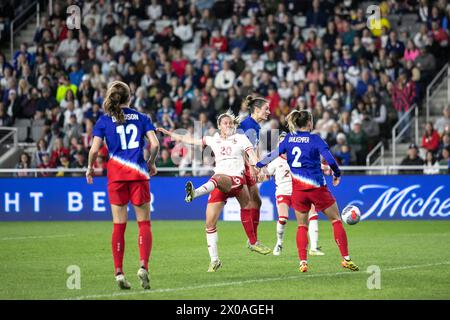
260,248
303,266
277,249
189,192
349,264
316,252
143,277
214,266
122,282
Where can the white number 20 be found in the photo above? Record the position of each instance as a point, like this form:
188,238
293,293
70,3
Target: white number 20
123,131
297,153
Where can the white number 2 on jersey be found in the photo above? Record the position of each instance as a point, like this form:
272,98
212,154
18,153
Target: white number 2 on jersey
123,131
297,153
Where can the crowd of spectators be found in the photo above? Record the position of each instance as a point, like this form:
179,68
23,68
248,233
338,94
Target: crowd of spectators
189,61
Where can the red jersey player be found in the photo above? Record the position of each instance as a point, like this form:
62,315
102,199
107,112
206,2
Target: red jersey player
124,130
229,148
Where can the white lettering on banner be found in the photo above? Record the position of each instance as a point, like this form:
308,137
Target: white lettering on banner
9,201
75,201
407,200
99,203
36,196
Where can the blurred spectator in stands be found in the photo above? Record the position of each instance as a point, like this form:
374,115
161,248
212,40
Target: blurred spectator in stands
225,78
5,119
24,163
444,159
430,139
45,164
341,150
79,163
57,151
371,129
72,129
426,63
63,86
443,121
357,140
431,165
12,105
62,163
41,150
100,166
165,161
412,159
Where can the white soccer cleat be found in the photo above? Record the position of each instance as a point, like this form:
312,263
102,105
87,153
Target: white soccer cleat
277,250
122,282
214,266
144,278
316,252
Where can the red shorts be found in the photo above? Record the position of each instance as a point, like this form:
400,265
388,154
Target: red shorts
321,198
237,183
249,180
284,199
122,192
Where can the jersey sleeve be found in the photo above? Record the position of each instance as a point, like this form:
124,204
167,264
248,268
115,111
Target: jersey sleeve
326,154
281,149
207,140
99,128
245,142
271,167
148,125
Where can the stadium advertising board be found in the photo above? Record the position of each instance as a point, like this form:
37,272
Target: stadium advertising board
379,197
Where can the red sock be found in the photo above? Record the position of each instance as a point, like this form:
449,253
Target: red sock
255,218
144,242
341,237
302,242
118,245
247,223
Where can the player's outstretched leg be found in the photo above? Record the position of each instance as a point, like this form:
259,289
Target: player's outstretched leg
222,182
313,233
340,237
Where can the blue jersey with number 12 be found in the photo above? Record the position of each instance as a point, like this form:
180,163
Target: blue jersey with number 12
303,151
125,144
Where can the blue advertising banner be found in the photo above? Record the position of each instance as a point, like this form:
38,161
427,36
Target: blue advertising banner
409,197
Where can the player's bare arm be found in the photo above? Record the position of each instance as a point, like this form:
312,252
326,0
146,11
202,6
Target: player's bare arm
154,150
181,138
93,153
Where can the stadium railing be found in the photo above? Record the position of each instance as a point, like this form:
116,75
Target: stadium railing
381,170
380,159
434,86
23,22
397,136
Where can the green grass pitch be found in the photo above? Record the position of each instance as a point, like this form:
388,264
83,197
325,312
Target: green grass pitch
413,256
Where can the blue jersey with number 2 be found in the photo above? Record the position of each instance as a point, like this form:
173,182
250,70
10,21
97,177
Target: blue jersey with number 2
125,144
303,151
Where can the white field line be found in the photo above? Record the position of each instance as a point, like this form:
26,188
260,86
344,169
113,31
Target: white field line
238,283
37,237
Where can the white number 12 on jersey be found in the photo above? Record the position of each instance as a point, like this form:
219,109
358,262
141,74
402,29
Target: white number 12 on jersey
297,153
123,131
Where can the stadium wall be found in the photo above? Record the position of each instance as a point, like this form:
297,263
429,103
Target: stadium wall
402,197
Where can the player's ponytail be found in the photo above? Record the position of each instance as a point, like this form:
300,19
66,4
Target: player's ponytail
298,119
117,95
252,102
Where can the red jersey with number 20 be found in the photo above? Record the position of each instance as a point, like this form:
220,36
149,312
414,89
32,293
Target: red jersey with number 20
125,145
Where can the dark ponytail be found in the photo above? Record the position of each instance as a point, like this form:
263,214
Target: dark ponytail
298,119
117,95
252,102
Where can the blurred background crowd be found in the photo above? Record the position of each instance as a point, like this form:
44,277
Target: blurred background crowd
188,61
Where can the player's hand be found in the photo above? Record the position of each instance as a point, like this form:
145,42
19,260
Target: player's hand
89,174
163,131
336,180
153,170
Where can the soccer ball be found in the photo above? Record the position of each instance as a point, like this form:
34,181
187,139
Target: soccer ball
351,214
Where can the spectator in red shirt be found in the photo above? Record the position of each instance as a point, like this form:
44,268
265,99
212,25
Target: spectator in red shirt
45,165
219,42
274,99
430,140
58,150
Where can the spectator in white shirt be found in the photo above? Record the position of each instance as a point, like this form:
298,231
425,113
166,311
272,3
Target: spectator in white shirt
296,73
154,11
183,29
443,121
225,77
118,41
68,49
255,64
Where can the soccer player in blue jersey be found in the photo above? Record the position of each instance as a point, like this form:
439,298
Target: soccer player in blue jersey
124,130
259,112
303,150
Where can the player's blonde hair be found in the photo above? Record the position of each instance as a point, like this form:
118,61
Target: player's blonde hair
117,94
298,119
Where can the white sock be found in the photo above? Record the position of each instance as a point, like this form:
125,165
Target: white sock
313,232
280,230
205,188
212,238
